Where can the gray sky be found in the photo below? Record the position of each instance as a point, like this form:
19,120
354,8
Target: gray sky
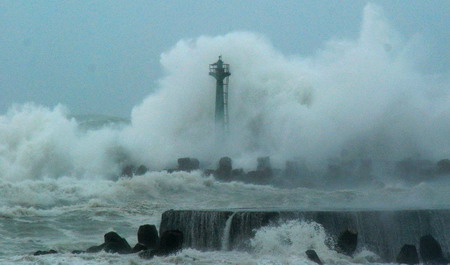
102,57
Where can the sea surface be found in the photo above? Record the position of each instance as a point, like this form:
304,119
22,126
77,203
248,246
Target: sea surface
70,213
363,98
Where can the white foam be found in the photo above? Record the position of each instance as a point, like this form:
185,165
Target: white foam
162,190
363,95
292,239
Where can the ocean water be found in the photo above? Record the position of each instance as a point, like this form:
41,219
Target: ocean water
355,98
69,213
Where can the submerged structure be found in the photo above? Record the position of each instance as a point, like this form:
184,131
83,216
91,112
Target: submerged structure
221,71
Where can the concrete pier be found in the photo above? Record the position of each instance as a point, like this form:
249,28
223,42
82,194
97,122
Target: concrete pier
383,232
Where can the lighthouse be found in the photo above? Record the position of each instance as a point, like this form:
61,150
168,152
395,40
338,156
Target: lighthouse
221,71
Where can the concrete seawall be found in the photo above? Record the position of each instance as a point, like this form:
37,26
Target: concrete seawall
383,232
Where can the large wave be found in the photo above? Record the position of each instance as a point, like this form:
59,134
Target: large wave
361,97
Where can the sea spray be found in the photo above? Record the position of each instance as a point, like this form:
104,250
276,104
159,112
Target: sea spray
68,213
360,98
38,142
293,238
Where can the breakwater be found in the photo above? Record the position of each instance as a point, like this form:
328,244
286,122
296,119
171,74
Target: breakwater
382,232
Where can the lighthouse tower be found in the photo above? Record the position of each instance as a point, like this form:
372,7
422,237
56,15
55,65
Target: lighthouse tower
221,71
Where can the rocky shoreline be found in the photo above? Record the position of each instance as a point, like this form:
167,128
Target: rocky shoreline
183,229
338,172
150,243
206,230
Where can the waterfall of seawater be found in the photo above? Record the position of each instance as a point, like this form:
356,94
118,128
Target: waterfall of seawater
382,232
226,234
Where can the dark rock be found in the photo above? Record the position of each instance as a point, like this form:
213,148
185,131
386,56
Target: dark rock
44,252
258,177
131,170
225,164
188,164
171,242
113,244
116,244
147,254
128,171
443,167
237,173
209,172
78,251
263,173
224,168
95,249
141,170
116,247
312,255
347,242
431,251
253,176
112,237
148,236
264,165
408,255
139,247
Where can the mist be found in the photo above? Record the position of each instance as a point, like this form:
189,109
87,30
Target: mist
362,98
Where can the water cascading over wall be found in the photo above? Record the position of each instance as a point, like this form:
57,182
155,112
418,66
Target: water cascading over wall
383,232
201,229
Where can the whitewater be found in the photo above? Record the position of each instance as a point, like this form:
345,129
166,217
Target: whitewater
362,98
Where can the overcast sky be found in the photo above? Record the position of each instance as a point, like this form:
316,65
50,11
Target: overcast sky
102,57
